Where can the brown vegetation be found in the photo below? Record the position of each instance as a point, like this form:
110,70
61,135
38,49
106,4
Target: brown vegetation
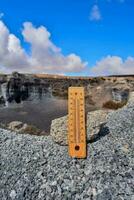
60,93
32,130
114,105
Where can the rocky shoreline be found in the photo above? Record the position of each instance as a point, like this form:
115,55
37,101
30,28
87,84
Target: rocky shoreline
37,168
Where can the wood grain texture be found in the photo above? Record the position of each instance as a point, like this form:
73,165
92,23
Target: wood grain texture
76,122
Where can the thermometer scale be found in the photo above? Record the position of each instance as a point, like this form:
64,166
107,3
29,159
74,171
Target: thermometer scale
76,122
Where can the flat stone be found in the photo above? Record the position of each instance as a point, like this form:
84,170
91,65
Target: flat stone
95,120
15,125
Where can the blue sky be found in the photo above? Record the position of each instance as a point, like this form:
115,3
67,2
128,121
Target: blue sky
98,32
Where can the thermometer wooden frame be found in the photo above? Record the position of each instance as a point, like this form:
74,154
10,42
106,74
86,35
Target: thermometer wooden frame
76,122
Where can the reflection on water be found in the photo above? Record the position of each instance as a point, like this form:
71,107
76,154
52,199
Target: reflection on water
36,112
39,113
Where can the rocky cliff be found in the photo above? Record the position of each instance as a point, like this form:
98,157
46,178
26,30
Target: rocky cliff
19,87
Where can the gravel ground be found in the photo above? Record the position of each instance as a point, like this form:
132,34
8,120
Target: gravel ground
36,168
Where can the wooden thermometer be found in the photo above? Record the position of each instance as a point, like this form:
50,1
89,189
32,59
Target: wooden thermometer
76,123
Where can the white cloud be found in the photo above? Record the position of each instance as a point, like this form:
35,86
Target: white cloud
95,14
11,52
1,15
113,65
45,56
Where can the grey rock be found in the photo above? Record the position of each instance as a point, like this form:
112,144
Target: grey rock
120,94
95,120
15,125
106,173
106,194
59,130
13,194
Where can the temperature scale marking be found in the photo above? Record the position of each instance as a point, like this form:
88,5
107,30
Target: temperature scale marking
76,122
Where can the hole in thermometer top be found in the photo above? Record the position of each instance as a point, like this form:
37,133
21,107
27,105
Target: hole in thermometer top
76,122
